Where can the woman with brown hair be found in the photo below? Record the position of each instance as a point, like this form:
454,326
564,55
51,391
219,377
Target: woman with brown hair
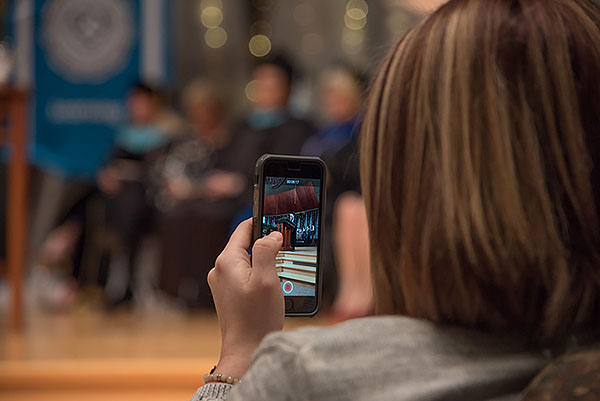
479,170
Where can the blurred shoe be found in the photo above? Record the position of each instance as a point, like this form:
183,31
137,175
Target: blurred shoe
53,291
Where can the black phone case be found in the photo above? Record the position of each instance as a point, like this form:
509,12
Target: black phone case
257,210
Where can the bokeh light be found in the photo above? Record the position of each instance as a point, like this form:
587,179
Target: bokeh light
354,24
211,17
357,4
250,90
215,37
259,45
356,13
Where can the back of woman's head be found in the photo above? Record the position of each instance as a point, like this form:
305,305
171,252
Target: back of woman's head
480,156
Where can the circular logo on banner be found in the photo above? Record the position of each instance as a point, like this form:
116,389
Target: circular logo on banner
288,287
87,40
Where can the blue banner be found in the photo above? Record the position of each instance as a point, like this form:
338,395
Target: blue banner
86,54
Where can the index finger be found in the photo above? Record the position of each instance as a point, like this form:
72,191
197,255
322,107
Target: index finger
241,237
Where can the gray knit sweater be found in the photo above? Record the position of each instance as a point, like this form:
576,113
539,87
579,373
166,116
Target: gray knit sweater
383,358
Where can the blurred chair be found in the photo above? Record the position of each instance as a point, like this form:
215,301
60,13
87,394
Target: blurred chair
13,110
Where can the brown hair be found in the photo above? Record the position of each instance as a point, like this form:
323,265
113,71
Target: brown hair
477,164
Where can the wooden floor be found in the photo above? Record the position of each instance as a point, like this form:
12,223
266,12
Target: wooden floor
92,355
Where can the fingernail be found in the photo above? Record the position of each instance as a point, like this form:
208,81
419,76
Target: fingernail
276,235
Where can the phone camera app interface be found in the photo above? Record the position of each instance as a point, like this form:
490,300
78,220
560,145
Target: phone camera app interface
291,206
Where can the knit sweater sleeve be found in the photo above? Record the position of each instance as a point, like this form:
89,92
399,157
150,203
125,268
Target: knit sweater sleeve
276,373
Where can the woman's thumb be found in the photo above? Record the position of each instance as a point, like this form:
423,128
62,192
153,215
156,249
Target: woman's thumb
265,250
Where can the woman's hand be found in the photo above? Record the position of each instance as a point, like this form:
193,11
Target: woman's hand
247,296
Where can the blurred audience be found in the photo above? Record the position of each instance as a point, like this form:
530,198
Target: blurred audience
202,187
170,192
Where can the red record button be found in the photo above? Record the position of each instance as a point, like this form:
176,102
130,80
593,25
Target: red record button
288,287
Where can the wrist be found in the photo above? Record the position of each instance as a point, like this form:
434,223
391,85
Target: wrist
213,377
233,365
236,355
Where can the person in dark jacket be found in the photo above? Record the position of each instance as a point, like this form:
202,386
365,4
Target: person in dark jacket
270,127
125,181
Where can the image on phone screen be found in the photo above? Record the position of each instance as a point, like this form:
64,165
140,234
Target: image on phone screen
291,206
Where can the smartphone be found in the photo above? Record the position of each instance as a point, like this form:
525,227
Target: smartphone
289,196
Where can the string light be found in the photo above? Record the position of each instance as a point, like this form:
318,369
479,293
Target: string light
211,17
353,23
357,4
250,90
215,37
259,45
355,19
356,14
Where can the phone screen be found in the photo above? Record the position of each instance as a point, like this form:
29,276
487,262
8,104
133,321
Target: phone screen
292,206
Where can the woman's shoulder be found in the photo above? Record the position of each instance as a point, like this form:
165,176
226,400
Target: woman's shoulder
408,358
394,331
357,337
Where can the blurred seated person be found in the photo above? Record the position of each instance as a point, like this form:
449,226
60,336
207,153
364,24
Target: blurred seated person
201,189
125,181
479,170
270,127
341,92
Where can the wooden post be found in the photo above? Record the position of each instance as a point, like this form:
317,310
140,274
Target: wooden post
17,204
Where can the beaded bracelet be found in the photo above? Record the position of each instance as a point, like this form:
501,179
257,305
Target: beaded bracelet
212,377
